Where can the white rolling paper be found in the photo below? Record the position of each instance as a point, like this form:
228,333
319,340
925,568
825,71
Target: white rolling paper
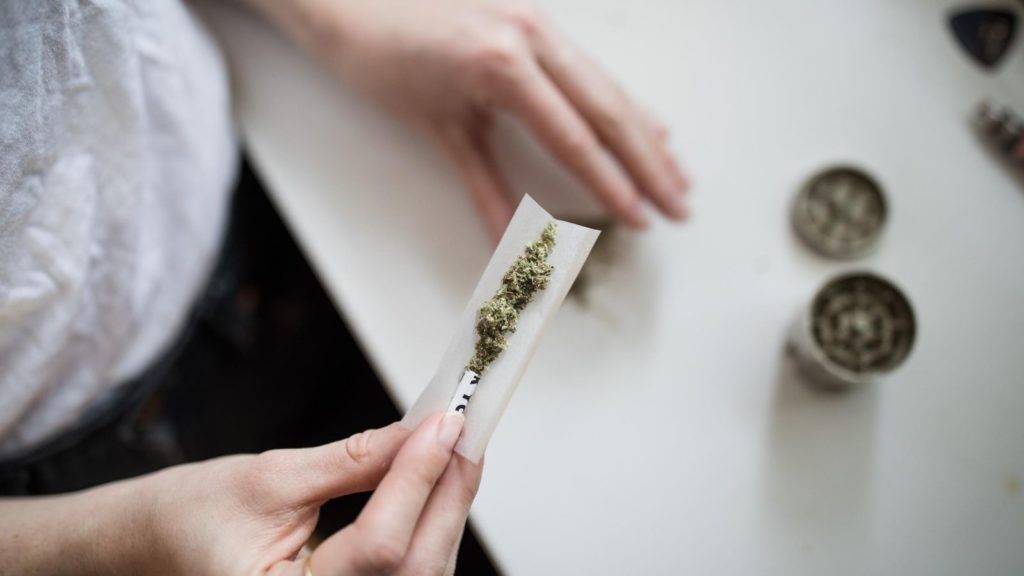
496,385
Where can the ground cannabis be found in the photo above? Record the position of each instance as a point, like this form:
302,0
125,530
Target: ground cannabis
498,316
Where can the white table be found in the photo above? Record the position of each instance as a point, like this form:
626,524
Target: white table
659,429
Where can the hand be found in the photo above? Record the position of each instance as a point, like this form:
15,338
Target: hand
253,514
446,65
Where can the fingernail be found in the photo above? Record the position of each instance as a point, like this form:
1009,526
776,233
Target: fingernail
451,427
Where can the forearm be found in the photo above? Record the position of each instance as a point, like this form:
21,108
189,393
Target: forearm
104,530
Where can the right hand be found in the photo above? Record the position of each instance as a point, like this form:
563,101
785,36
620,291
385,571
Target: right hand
253,514
445,67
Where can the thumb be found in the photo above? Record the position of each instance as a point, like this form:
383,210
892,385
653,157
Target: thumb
355,464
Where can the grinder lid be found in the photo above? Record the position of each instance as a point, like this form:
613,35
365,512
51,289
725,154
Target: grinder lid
840,212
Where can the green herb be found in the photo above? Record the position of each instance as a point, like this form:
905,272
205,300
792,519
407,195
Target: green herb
499,316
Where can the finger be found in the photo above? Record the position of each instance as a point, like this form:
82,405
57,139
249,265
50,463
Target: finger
355,464
396,505
656,126
555,122
296,567
662,133
659,129
454,556
286,568
473,155
380,537
440,526
617,121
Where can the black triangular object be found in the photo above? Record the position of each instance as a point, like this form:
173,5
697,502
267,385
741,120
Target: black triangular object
985,34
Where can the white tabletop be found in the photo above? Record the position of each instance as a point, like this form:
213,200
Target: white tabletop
659,429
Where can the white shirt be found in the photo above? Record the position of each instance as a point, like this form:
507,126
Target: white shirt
117,159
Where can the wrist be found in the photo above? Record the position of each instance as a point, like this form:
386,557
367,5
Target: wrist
99,531
114,527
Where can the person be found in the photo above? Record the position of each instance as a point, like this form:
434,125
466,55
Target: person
117,165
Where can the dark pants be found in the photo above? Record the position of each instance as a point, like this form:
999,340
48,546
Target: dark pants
265,362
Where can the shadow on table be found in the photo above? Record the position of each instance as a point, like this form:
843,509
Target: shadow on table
820,460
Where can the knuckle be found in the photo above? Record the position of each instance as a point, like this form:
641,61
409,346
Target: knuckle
578,146
466,493
608,116
268,464
497,57
624,198
357,446
263,473
527,18
607,122
425,476
383,556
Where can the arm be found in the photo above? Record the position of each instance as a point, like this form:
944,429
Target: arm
253,514
446,66
98,531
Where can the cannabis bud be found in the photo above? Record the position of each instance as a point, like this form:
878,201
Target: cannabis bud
499,316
